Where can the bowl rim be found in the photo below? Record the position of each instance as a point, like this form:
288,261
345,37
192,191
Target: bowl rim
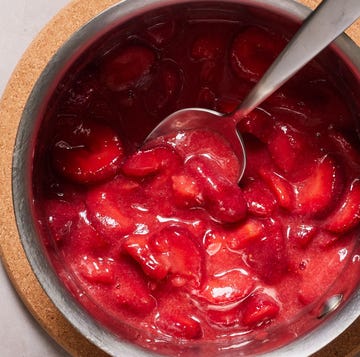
21,179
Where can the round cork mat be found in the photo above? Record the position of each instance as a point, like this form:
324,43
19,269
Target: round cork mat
68,20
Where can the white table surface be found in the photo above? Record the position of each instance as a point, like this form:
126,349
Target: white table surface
20,21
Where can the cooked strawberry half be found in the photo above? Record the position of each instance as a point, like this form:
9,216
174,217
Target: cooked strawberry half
180,254
227,287
187,192
243,235
281,188
260,199
208,46
179,323
89,153
150,161
319,192
165,88
131,290
268,256
150,261
129,67
347,215
224,200
108,215
287,146
258,123
96,270
259,309
253,50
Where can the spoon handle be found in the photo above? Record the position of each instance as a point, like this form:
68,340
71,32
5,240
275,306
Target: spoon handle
322,26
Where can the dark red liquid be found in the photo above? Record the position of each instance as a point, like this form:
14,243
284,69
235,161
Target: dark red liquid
163,237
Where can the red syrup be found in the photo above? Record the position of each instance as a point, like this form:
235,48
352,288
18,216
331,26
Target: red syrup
162,237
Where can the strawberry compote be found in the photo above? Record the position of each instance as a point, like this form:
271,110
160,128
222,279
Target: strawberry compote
160,237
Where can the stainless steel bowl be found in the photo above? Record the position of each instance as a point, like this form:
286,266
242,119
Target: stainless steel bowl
343,56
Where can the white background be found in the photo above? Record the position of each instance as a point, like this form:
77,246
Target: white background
20,21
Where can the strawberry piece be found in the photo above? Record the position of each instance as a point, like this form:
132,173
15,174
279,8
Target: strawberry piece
268,256
202,142
259,309
319,192
107,215
347,215
131,290
260,200
95,270
252,52
128,68
282,188
165,88
187,192
223,199
137,246
252,229
150,161
286,146
301,234
208,46
227,287
89,153
179,323
179,253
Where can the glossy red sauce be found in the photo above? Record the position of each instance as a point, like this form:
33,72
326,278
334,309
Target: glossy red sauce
163,237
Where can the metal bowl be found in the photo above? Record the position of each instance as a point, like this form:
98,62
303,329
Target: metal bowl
342,57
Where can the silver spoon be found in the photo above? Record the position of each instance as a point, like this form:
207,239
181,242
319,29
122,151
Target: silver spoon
327,22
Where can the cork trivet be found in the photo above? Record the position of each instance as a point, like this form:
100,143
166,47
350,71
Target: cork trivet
12,103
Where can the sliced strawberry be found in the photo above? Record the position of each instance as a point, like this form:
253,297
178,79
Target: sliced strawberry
260,309
179,254
243,235
145,162
282,188
223,199
179,323
268,256
127,68
286,146
227,287
252,52
107,215
208,46
319,192
90,152
187,192
131,290
95,270
260,199
165,88
138,247
302,234
347,215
